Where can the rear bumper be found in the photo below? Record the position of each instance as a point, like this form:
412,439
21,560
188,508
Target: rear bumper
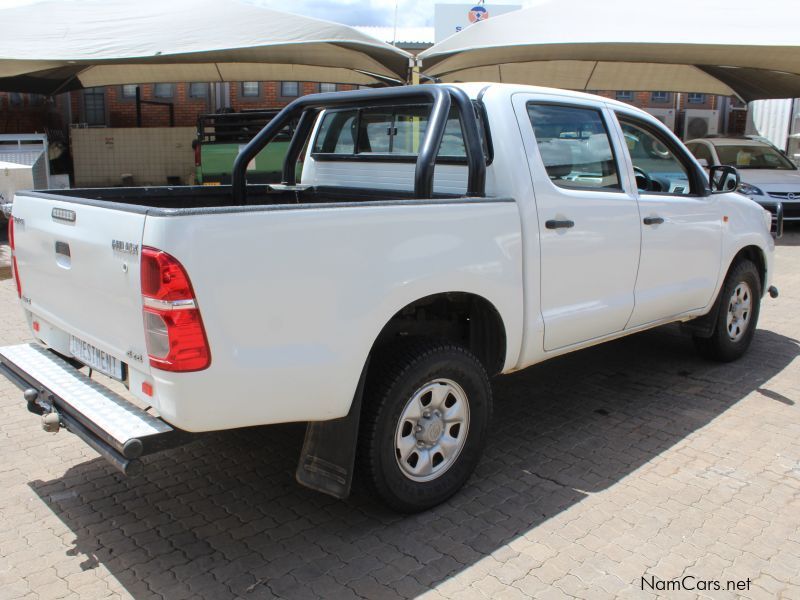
116,429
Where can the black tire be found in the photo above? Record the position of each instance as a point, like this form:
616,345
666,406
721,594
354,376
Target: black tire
397,375
721,346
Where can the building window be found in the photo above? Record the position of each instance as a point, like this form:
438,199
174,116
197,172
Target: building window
15,99
198,90
251,89
660,97
625,96
327,87
696,98
164,90
290,89
129,90
94,106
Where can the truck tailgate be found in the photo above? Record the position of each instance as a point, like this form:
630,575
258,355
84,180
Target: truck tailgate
79,269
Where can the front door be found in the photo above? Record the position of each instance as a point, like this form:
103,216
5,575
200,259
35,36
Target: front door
588,221
681,226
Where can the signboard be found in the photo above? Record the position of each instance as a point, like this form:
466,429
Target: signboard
452,18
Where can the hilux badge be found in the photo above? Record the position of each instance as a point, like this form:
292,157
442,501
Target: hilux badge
125,247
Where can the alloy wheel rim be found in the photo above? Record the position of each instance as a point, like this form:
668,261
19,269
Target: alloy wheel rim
739,311
432,430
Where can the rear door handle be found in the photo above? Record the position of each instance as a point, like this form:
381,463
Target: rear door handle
653,220
554,224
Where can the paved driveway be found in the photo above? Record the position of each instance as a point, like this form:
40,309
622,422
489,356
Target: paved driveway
627,461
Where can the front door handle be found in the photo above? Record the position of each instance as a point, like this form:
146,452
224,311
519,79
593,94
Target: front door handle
554,224
653,220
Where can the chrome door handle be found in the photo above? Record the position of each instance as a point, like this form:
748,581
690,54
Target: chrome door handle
653,220
554,224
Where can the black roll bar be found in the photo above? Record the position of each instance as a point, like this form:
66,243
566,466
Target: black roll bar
308,107
299,138
473,142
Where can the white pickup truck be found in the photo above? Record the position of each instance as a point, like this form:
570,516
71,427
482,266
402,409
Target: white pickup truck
438,235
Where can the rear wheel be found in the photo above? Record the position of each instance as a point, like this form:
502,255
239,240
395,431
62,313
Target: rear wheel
426,416
737,316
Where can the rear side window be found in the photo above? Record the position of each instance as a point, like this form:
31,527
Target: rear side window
394,131
575,147
337,133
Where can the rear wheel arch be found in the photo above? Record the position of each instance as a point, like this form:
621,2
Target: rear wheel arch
464,318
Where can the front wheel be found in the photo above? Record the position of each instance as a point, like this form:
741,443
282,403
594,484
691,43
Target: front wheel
740,303
425,421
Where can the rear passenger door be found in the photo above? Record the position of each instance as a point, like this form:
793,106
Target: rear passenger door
588,219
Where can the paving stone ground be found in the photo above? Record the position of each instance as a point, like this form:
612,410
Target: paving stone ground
634,459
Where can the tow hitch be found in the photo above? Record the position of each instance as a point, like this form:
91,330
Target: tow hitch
66,398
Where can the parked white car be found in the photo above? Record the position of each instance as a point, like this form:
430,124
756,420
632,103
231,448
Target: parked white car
767,176
371,299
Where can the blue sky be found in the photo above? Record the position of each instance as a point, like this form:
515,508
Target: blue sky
410,13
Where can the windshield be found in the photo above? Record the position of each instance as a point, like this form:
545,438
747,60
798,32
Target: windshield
746,156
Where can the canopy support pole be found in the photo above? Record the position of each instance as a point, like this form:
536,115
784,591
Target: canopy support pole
414,65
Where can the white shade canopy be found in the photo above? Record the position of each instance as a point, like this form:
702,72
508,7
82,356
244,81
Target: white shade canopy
751,49
59,45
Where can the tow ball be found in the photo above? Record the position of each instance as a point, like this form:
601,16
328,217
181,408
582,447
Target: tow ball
51,422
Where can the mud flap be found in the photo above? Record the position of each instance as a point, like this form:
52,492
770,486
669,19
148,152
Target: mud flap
329,451
703,327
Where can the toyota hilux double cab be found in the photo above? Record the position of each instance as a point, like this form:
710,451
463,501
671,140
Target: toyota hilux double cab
437,235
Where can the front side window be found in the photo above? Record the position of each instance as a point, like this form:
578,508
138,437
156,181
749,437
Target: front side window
393,131
574,146
753,156
657,168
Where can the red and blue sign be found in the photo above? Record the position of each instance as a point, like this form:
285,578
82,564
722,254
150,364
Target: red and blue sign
478,13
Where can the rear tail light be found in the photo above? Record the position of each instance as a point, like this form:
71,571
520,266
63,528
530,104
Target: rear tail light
176,338
13,255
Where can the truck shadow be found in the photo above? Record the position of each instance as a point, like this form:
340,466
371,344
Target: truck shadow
223,517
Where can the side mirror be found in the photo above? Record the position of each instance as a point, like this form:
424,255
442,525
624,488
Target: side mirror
723,178
703,162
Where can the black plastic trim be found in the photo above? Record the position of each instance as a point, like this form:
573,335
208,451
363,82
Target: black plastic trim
230,209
